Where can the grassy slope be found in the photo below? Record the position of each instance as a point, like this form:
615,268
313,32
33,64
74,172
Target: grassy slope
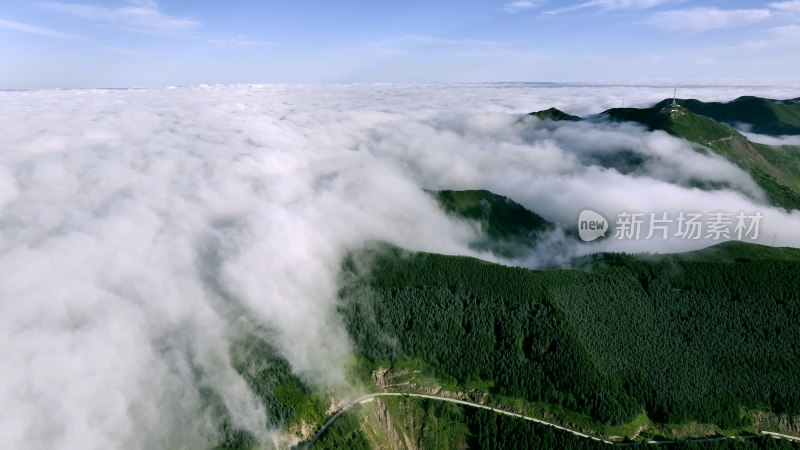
440,425
776,170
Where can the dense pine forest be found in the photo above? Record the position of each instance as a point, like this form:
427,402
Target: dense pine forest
682,338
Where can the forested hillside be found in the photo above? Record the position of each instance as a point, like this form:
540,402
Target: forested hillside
680,339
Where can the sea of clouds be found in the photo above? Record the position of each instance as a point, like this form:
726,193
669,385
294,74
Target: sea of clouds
140,229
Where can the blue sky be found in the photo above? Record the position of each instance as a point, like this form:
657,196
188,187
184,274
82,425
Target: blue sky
121,43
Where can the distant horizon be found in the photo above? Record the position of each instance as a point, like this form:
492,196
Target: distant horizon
649,83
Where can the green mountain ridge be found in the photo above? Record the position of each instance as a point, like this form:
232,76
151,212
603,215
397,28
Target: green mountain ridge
775,169
737,251
554,114
509,229
765,116
729,252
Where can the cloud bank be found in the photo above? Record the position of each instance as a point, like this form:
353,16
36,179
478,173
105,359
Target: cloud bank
772,140
140,229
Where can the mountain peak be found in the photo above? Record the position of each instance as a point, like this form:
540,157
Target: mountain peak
554,114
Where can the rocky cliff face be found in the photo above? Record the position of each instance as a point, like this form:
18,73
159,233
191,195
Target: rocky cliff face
785,424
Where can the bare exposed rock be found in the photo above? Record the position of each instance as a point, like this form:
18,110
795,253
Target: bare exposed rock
336,405
301,432
379,377
786,424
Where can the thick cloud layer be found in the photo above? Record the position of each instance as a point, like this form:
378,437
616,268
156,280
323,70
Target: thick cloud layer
140,229
773,140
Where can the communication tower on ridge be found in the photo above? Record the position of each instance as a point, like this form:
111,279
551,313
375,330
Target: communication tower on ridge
672,108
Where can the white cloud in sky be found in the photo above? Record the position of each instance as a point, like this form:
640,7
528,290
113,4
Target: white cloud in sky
241,40
704,19
788,35
431,41
31,29
141,230
786,32
791,7
140,16
124,51
520,5
609,5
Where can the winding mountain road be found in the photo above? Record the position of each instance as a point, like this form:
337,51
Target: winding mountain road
368,398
